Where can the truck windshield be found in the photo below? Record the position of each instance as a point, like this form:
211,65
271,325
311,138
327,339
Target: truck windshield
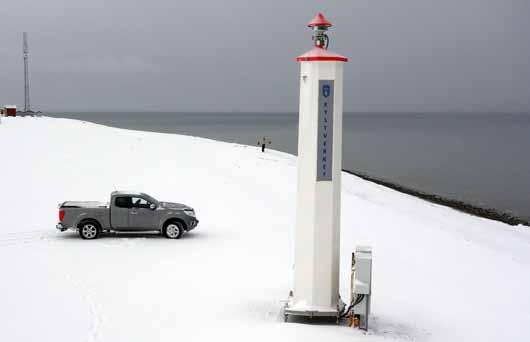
150,199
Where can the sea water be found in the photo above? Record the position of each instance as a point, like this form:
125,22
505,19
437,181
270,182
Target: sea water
482,159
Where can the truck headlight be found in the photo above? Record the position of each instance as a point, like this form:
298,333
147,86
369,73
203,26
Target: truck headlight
189,212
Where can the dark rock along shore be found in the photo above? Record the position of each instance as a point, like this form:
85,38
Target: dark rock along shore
488,213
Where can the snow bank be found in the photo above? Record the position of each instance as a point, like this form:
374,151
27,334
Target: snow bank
439,275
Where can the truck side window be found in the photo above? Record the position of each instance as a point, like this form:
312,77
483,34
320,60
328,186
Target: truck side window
138,202
123,202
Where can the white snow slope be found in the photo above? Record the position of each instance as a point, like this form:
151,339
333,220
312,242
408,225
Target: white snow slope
439,275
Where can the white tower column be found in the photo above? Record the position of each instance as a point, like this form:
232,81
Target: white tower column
317,244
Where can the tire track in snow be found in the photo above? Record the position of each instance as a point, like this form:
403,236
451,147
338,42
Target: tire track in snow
10,239
40,236
97,318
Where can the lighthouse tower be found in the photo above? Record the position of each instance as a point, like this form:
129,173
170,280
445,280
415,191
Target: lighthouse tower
317,243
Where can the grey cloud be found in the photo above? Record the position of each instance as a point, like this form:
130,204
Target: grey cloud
410,55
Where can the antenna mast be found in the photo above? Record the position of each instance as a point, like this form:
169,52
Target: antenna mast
26,73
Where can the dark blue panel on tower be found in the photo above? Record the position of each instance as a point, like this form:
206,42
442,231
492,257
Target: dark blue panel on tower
325,130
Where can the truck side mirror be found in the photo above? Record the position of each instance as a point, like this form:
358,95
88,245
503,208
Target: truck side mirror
152,206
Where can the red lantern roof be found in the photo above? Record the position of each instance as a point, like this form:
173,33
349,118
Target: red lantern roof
319,20
320,53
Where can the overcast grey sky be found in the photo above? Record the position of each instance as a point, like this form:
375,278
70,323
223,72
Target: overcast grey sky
236,55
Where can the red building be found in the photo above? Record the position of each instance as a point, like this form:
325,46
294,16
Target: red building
10,110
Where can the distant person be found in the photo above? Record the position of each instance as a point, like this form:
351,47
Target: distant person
263,142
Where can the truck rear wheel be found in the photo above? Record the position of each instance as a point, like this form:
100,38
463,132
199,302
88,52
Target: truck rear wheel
89,230
173,230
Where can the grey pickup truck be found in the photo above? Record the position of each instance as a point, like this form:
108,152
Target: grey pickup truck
126,212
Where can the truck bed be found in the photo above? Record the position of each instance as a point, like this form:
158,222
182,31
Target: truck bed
84,204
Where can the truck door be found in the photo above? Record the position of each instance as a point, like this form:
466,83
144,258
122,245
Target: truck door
141,216
119,212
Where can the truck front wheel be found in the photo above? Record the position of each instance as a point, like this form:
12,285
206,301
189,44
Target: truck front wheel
173,230
89,230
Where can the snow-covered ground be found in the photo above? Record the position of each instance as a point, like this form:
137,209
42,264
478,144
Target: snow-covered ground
439,275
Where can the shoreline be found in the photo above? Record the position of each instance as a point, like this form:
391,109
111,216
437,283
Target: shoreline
488,213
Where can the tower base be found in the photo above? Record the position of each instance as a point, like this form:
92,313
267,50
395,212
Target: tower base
304,310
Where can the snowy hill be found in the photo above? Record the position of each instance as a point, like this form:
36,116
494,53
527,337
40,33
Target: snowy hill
439,275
